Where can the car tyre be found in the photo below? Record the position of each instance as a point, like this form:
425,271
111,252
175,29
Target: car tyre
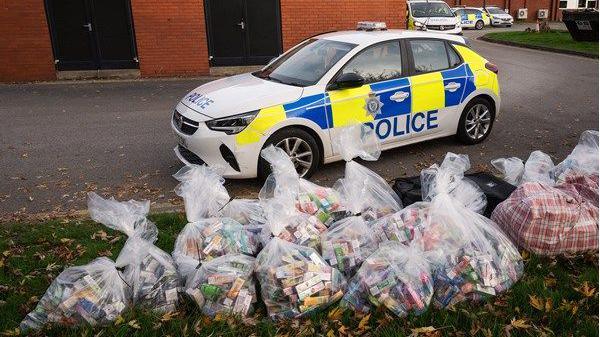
479,25
476,121
290,138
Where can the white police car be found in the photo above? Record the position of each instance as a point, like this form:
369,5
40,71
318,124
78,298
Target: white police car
499,17
409,86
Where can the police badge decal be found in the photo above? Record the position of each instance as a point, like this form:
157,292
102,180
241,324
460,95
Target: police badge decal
373,104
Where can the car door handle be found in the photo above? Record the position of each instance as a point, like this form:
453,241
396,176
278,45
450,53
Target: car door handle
399,96
452,86
88,26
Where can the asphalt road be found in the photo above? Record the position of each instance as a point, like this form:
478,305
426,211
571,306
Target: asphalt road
59,140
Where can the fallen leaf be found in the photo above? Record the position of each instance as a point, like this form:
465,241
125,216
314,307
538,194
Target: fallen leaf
134,324
423,330
520,324
362,325
586,290
548,306
536,302
335,314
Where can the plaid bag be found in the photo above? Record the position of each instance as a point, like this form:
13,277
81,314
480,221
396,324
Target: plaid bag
551,220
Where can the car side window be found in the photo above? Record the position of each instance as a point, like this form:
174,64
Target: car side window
429,55
377,63
459,12
453,57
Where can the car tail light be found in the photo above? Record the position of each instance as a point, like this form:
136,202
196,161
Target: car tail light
491,67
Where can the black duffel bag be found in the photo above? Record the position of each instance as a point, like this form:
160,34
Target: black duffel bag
495,189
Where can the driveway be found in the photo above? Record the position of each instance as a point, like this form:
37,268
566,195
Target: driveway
60,140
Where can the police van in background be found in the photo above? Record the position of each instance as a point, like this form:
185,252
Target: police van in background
408,86
432,16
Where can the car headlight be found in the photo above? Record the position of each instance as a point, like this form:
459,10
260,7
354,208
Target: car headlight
233,124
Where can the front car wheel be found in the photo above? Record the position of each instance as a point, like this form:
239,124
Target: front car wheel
476,121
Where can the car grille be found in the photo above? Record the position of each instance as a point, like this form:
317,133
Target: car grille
190,156
184,124
439,27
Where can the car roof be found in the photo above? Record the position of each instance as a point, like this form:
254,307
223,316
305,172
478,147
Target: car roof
477,8
365,38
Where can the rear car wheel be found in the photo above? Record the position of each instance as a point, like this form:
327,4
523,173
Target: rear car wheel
476,121
302,148
479,25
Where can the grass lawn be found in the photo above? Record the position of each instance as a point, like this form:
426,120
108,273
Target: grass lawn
552,39
556,297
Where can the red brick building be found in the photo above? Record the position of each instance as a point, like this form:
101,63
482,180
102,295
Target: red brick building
39,39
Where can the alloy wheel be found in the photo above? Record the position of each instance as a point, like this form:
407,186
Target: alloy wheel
299,152
478,121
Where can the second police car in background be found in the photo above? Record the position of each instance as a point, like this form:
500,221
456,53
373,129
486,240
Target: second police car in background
499,17
471,17
409,86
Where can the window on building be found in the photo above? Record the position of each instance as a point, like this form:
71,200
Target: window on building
429,55
562,4
377,63
591,4
581,3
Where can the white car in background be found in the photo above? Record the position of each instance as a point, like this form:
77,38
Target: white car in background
432,16
498,17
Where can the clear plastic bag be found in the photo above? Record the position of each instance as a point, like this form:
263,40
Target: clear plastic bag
361,190
452,169
151,274
224,285
583,160
202,191
539,168
395,276
92,294
511,169
403,226
295,227
295,280
347,244
248,212
285,184
128,217
471,257
209,238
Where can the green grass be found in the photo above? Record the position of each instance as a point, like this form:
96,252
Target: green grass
552,39
32,255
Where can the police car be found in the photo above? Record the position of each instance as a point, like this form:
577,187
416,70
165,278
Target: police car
472,17
499,17
409,86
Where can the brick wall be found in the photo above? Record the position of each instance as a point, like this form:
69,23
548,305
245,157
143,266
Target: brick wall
303,18
170,37
25,48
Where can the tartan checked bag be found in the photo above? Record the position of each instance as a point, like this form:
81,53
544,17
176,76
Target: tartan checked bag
552,220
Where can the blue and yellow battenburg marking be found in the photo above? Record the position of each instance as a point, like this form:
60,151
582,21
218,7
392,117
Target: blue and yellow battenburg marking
408,104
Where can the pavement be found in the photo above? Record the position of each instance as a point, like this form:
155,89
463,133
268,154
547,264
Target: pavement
59,140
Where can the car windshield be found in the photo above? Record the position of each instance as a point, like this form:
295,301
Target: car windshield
430,9
494,10
307,63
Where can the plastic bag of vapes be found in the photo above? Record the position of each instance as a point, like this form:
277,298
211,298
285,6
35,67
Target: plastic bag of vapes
582,161
209,238
248,212
151,274
92,294
403,226
284,183
362,191
128,217
202,191
224,285
347,244
471,257
395,276
295,280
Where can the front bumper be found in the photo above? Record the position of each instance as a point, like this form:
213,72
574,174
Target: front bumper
497,22
216,149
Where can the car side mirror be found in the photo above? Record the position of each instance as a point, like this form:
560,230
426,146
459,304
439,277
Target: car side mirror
348,80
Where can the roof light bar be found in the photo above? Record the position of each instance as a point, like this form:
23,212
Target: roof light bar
370,25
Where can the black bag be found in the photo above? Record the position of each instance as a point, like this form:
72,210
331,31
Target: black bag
495,189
